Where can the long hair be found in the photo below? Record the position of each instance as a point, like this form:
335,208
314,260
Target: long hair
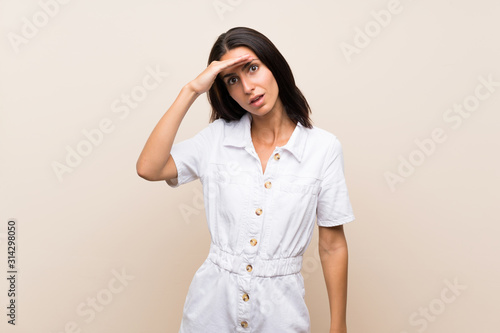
225,107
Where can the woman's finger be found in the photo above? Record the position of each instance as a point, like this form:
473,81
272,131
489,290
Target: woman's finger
233,61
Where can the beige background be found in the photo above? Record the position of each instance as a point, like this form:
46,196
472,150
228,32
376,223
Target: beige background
408,244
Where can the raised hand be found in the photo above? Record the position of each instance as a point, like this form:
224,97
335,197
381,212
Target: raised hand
204,81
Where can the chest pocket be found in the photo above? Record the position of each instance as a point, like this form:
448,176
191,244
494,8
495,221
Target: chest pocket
304,189
228,197
299,185
296,198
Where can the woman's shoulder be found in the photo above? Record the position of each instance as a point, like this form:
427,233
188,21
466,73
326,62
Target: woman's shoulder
320,136
221,123
217,126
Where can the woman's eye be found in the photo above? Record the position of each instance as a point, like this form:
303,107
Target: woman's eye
232,80
253,68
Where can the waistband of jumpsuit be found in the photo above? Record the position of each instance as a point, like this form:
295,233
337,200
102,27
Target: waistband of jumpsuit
259,267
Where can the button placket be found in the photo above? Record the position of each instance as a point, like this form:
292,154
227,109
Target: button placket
244,304
270,176
251,236
256,230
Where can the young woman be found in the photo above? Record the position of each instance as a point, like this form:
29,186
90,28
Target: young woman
267,174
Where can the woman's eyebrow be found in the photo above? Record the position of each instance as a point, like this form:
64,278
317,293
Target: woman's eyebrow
243,68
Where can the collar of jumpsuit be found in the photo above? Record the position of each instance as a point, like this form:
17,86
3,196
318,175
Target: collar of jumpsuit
260,224
239,135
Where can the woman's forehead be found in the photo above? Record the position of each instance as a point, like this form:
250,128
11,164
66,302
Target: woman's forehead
236,52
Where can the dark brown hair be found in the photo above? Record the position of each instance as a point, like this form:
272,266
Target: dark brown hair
225,107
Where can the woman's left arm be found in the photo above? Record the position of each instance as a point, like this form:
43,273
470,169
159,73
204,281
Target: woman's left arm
333,256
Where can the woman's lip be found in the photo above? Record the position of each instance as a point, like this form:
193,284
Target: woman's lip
257,100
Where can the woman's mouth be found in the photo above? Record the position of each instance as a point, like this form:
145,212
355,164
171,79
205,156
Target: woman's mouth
257,100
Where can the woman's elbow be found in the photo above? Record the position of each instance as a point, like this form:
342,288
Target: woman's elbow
332,239
144,172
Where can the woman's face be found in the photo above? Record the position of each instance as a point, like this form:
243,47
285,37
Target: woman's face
251,84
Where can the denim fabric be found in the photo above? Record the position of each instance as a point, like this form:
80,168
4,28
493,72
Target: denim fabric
260,224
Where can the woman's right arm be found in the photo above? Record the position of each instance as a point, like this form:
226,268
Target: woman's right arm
152,163
155,162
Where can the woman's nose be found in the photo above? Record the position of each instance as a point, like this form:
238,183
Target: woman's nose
248,85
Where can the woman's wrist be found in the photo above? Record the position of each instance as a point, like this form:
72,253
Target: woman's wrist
338,328
188,88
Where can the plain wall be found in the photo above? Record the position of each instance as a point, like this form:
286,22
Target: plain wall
401,83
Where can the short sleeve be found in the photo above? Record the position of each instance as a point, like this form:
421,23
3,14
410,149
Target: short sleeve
334,207
190,156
